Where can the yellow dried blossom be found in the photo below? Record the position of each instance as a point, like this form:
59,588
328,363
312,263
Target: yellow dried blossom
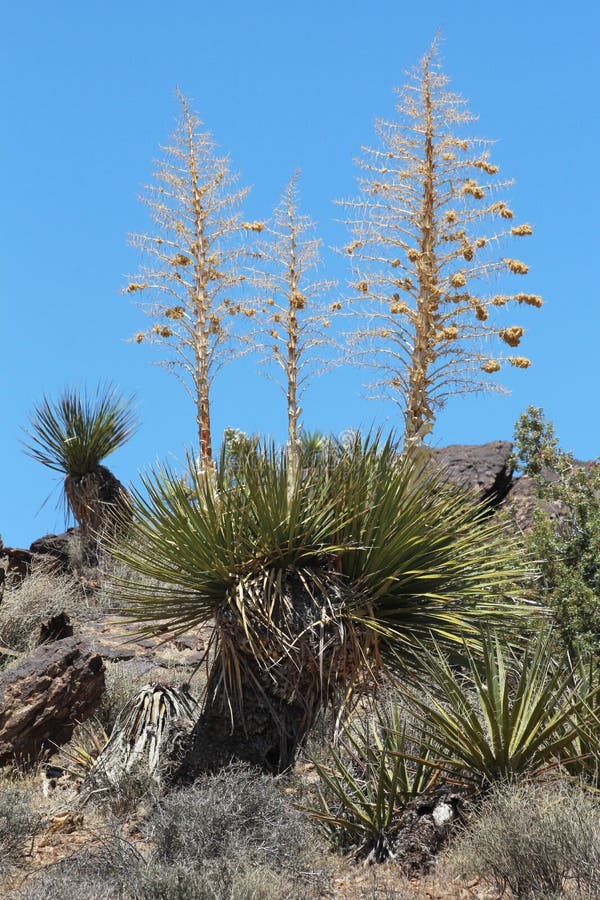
165,331
336,305
363,287
180,259
139,337
395,263
511,336
396,382
270,302
326,323
399,308
485,166
134,286
176,312
277,317
521,230
353,246
516,266
413,254
480,242
253,226
274,334
298,300
530,299
519,362
458,280
450,333
215,325
502,209
490,366
499,300
481,313
467,252
450,215
473,189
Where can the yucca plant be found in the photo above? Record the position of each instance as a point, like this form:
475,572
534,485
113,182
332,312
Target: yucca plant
513,713
72,436
310,589
369,782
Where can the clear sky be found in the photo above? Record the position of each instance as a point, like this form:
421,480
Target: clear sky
88,95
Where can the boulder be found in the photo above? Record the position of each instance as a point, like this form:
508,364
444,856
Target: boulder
523,500
56,547
15,563
55,629
45,696
485,469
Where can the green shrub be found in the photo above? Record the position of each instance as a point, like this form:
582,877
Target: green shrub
568,545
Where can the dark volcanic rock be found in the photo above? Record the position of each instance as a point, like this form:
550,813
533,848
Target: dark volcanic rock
55,629
485,469
15,562
45,696
57,547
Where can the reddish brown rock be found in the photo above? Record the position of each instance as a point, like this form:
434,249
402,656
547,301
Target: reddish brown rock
45,696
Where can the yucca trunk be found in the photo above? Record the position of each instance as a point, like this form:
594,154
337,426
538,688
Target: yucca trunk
272,675
97,500
264,731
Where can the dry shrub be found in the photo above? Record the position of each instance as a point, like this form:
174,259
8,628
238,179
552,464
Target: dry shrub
19,824
25,606
237,815
121,685
538,840
98,873
231,836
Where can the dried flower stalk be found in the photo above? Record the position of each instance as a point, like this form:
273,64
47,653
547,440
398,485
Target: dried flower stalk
190,284
425,237
294,313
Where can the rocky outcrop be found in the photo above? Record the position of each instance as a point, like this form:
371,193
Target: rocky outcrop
45,696
57,548
15,563
485,469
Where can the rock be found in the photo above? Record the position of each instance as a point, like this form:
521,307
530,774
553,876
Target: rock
59,547
45,696
485,469
425,829
15,562
522,501
55,629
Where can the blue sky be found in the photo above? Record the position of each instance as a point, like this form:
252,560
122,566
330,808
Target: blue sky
88,95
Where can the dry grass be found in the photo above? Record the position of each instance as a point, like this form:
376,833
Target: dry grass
232,836
28,604
536,840
20,821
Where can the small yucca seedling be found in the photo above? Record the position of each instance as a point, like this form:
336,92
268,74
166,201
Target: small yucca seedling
512,714
72,436
368,784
